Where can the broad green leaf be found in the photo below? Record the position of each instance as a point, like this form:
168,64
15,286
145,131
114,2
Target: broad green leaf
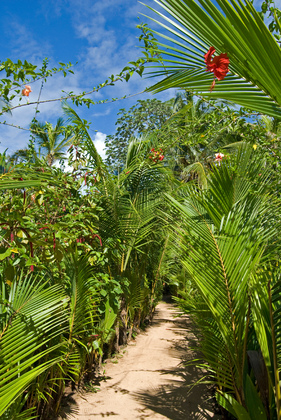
233,406
253,401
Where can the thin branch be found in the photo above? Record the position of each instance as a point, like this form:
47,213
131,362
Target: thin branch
63,98
38,131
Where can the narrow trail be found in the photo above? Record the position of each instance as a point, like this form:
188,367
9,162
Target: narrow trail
148,379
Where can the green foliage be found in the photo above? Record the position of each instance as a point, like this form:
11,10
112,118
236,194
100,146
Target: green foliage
5,165
227,237
231,27
32,319
55,229
269,10
51,141
84,253
145,117
19,73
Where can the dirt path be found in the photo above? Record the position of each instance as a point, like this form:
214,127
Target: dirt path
148,379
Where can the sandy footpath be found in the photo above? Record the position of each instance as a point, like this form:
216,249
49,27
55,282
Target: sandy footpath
148,379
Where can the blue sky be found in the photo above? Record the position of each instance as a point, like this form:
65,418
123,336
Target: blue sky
100,35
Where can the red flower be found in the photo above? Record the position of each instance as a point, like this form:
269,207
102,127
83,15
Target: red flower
217,65
208,57
156,155
26,91
99,238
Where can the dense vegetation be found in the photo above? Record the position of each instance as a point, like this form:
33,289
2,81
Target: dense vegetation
189,196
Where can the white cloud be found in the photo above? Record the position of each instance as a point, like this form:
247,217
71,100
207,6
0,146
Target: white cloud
102,114
24,43
99,143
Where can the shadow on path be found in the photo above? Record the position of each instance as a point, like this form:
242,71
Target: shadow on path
181,399
155,379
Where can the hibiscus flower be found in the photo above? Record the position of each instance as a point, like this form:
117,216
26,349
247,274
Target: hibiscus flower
217,65
219,157
26,91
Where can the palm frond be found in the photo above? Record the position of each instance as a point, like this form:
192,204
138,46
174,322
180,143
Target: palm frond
20,178
221,237
232,27
35,319
80,273
74,118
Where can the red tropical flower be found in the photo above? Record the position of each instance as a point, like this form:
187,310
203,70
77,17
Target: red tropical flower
217,65
26,91
156,155
208,57
99,238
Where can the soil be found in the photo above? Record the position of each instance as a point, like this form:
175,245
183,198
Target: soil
150,378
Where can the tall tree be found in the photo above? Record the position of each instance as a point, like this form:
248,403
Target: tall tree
227,236
144,117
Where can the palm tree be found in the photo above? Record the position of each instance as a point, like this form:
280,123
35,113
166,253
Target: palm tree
51,141
41,329
226,236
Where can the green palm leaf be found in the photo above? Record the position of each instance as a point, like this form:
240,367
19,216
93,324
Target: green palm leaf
84,135
232,27
29,341
82,303
266,303
24,178
221,237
